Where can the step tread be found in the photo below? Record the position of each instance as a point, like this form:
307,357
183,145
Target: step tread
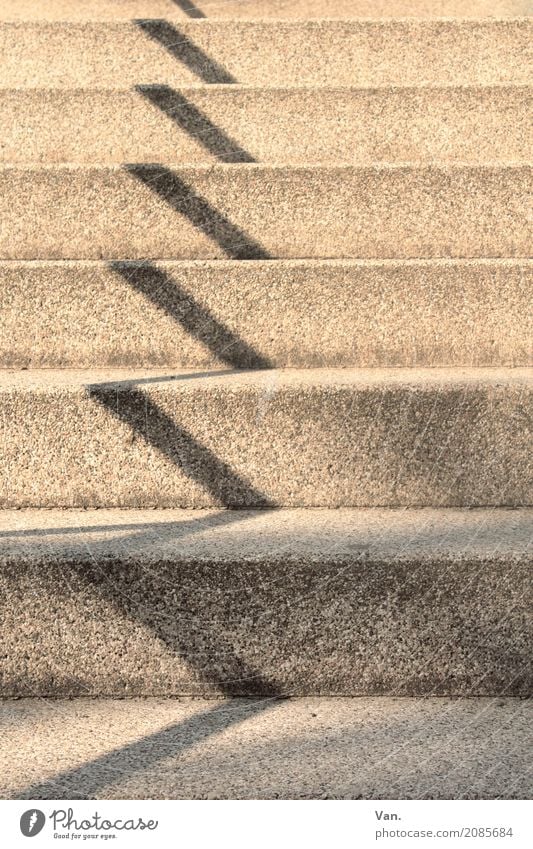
425,535
290,313
293,438
231,264
269,380
187,9
233,168
307,748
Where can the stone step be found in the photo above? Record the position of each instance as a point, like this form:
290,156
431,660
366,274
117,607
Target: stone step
290,126
183,9
250,211
306,748
271,602
310,438
124,54
296,313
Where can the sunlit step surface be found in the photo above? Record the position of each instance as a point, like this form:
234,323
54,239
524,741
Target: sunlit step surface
255,211
187,9
298,438
298,313
273,53
293,126
282,602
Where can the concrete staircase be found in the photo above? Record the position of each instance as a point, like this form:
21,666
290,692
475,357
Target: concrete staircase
265,287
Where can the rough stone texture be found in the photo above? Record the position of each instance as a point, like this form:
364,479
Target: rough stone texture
180,9
413,437
145,438
283,126
259,212
353,53
270,602
287,313
276,602
269,749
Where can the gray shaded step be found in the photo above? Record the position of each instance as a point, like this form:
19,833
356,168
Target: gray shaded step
283,126
429,602
276,53
412,437
183,9
310,748
246,314
260,212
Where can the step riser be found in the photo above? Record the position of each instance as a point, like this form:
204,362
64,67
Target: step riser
186,9
257,212
298,314
265,602
293,439
331,627
122,55
194,126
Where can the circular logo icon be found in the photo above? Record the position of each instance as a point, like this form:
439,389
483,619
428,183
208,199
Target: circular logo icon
32,822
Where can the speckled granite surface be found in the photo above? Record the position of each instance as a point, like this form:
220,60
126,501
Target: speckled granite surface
288,313
251,211
266,749
183,9
294,438
122,54
422,154
270,602
285,126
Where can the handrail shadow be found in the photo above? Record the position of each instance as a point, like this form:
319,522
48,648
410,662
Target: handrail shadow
166,183
157,286
159,430
190,9
87,781
184,50
171,530
146,419
193,121
195,646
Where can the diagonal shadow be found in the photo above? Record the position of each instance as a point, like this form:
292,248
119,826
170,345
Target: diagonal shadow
145,418
195,122
87,781
164,291
172,440
184,50
189,8
205,647
235,243
171,530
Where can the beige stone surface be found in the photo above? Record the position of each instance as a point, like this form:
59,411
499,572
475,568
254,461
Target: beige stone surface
183,9
293,313
148,537
366,748
354,53
253,211
433,602
284,126
395,233
346,437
